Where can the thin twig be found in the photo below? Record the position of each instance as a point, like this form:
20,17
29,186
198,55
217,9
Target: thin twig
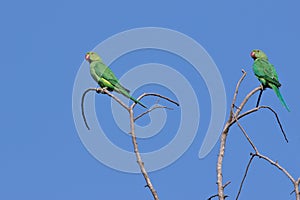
244,177
150,110
259,154
226,184
102,91
82,105
276,164
255,149
236,93
278,121
157,95
250,94
213,196
245,134
257,109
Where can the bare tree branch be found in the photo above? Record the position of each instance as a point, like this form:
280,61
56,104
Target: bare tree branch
136,151
157,95
102,91
253,146
278,121
283,170
213,196
105,91
82,105
250,94
296,186
236,93
216,195
150,110
276,164
132,126
224,137
244,177
226,184
257,154
138,157
257,109
220,163
224,134
233,118
246,135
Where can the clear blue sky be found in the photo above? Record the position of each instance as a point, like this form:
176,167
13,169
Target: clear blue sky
42,48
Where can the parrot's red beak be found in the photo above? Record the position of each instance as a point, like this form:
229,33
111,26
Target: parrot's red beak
87,57
252,55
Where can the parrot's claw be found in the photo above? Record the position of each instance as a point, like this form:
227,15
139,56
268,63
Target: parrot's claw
104,88
262,87
100,90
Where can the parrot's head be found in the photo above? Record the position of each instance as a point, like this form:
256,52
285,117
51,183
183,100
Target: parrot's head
92,56
256,53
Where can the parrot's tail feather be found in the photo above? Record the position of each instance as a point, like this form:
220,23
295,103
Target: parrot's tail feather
138,102
128,91
125,92
280,96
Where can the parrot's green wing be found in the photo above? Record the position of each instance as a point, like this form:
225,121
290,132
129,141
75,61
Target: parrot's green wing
267,75
265,72
106,78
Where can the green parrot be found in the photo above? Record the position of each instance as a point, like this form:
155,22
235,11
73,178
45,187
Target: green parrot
105,77
266,73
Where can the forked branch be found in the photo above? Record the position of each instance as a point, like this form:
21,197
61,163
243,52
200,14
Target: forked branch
133,136
132,126
233,118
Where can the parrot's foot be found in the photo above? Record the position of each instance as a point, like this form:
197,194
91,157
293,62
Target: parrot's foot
262,87
100,90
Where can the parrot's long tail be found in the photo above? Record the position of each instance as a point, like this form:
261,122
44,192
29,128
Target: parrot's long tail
122,90
275,88
138,102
